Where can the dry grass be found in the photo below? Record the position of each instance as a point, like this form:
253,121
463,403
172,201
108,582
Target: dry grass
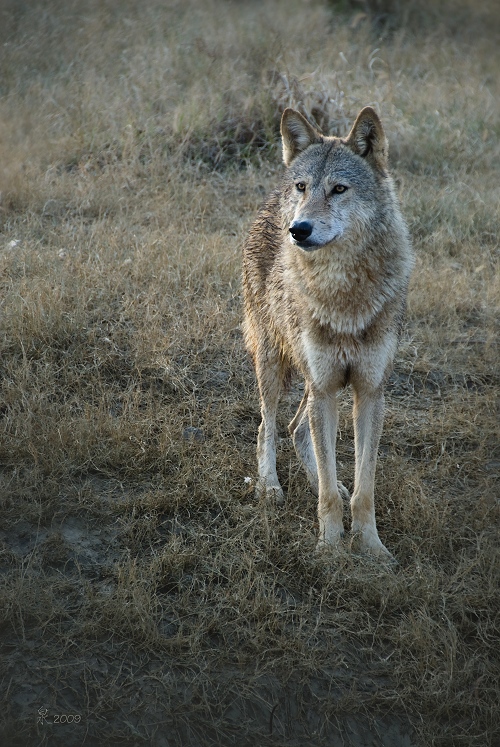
142,587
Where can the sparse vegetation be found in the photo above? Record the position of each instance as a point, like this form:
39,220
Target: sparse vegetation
142,588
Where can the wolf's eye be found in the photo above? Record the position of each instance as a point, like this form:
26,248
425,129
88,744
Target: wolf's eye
339,189
301,186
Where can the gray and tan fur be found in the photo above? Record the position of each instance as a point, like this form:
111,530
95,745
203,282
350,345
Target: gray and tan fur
325,274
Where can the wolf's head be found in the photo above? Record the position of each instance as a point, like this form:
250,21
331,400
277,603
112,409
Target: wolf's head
335,186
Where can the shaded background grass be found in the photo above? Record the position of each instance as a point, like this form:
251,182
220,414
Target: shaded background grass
143,589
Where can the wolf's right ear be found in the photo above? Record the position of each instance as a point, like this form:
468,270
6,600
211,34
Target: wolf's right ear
296,135
367,138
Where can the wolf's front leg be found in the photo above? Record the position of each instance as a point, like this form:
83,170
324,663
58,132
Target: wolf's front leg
323,419
368,416
269,377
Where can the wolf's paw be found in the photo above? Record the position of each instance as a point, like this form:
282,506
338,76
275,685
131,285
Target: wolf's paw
380,552
272,491
330,537
312,479
329,548
366,539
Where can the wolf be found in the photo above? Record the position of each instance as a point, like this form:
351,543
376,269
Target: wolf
326,267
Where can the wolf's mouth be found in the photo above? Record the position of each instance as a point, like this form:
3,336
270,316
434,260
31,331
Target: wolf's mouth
310,246
307,246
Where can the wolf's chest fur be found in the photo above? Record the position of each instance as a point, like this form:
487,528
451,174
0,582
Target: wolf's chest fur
336,290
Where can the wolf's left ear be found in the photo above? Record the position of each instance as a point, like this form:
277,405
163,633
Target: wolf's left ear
296,135
367,138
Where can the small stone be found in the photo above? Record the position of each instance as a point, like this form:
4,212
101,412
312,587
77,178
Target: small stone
193,434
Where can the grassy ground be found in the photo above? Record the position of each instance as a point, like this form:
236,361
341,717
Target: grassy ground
145,597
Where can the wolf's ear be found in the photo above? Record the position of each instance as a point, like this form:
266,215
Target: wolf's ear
296,135
367,138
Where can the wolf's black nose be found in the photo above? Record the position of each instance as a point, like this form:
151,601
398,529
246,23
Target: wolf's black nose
301,230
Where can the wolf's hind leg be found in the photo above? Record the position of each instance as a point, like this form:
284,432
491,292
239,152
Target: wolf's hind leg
270,374
301,435
368,418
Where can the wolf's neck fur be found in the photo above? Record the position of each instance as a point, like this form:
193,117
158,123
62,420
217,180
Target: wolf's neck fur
345,285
